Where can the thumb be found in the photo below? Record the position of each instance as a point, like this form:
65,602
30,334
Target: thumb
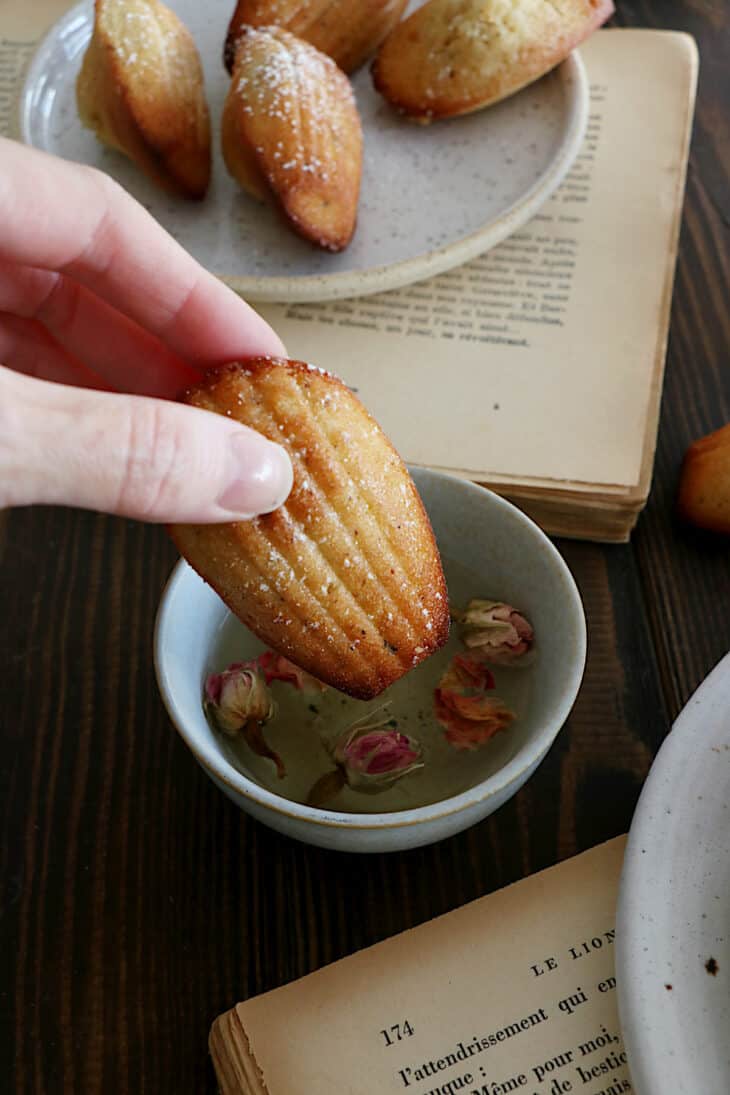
131,455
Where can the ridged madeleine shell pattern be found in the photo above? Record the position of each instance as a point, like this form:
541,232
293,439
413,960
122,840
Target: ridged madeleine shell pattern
141,90
291,128
455,56
348,31
345,579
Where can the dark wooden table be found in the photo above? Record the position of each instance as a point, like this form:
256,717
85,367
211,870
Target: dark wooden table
138,903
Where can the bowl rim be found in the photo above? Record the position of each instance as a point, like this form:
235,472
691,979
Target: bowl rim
224,772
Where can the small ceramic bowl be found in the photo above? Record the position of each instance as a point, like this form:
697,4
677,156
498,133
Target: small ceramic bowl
492,550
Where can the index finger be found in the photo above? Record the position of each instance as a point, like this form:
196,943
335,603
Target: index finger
63,216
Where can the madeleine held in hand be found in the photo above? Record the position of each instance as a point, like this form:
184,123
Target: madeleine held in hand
704,487
344,579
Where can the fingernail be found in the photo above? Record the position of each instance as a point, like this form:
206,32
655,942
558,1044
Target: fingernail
261,476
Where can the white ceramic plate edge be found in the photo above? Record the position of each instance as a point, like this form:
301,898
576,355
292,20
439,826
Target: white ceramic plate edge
659,960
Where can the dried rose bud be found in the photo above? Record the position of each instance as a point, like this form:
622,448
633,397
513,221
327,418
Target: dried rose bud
496,631
275,667
374,759
370,756
462,706
239,702
237,696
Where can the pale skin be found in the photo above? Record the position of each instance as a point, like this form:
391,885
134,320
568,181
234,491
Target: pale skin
104,319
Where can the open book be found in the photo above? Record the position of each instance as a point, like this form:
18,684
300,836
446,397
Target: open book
514,992
537,368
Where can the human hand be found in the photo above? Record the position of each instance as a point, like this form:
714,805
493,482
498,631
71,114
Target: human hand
100,310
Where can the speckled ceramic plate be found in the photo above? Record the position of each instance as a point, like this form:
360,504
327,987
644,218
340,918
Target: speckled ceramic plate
673,938
432,197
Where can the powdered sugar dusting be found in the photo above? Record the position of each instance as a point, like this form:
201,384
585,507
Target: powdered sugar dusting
149,40
281,78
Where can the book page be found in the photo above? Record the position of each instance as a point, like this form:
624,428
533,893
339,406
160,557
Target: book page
514,992
537,360
22,25
15,53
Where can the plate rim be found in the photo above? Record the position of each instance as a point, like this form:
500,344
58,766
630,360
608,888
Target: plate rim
655,1068
307,288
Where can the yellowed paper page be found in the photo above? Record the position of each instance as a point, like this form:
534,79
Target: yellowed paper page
537,360
514,992
22,25
27,21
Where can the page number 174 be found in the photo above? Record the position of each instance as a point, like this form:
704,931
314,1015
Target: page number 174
397,1033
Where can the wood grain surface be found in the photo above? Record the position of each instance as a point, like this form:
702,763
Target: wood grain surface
138,903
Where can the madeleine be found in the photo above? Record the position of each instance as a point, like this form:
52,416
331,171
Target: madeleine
345,579
348,31
140,89
455,56
704,486
291,133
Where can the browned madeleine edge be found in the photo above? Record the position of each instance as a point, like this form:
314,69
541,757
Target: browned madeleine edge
431,642
230,41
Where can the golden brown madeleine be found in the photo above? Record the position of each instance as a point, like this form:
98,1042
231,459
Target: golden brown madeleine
141,90
345,579
291,130
348,31
455,56
704,486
